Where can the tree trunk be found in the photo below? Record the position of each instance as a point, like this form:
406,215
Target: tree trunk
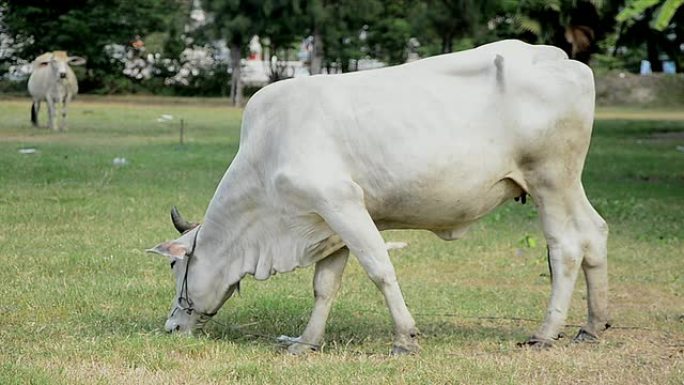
316,53
652,50
236,78
344,64
447,43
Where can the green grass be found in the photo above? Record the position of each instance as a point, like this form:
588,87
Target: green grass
81,303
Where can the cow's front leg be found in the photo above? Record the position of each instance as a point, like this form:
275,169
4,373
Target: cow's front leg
51,113
344,211
62,122
326,283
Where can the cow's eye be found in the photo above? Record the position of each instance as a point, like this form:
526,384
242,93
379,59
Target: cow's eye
172,264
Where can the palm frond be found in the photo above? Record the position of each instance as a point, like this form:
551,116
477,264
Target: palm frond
665,14
528,24
634,9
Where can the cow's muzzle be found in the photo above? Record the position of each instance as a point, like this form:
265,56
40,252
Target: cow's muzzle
62,75
174,326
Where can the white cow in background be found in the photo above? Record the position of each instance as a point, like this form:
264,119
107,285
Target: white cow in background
53,80
327,162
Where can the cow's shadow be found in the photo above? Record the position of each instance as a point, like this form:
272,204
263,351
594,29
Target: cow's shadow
347,329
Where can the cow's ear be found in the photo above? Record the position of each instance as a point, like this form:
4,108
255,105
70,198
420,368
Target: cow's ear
172,250
76,60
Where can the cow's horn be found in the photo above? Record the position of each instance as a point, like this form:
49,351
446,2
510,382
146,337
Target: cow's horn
179,223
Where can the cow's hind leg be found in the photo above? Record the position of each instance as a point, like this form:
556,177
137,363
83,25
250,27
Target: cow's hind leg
595,267
326,282
576,236
342,207
35,109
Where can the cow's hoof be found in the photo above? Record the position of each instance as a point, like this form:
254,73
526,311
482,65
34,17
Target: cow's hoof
406,345
585,336
536,343
296,346
299,349
405,350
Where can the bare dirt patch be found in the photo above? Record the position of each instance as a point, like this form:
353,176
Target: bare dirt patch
624,113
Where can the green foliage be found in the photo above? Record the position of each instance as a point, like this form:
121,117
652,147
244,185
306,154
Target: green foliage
635,9
238,20
341,26
13,87
85,27
389,34
654,26
448,20
347,30
665,11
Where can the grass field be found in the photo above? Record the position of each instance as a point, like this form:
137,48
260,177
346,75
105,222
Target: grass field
82,303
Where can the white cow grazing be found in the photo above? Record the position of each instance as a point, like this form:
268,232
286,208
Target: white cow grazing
53,80
327,162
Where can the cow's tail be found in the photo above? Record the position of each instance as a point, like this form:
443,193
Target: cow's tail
34,115
499,63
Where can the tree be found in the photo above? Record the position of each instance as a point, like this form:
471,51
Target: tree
573,25
238,20
659,24
448,20
663,11
84,28
337,28
317,14
389,34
